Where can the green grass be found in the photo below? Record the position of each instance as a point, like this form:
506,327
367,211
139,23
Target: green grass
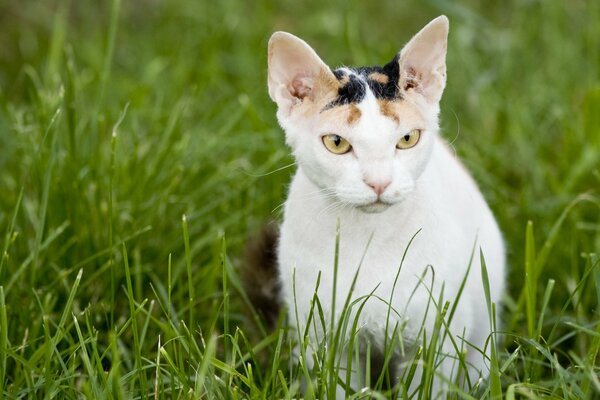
120,118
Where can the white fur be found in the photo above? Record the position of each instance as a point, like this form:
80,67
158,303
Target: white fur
430,192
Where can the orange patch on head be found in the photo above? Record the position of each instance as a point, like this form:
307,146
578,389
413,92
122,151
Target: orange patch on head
388,110
353,114
324,89
345,114
325,85
379,77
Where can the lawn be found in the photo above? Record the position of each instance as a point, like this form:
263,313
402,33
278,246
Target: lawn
139,151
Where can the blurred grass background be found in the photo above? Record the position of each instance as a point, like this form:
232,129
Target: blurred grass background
119,117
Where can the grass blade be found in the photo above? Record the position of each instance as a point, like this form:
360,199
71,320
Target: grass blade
137,351
3,340
9,237
530,279
188,264
495,385
110,50
91,373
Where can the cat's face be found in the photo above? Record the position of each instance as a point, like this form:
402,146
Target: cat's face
363,136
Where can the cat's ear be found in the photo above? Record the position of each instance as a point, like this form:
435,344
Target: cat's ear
423,61
296,72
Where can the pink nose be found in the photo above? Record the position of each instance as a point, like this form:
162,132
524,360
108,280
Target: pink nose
378,187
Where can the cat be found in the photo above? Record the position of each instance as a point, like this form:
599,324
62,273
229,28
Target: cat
375,179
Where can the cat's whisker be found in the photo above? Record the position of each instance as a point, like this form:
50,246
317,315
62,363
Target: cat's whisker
278,208
322,190
451,142
315,196
333,207
327,209
326,193
267,173
329,197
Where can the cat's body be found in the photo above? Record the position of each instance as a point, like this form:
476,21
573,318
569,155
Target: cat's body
353,135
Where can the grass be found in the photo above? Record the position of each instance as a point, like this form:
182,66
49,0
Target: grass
118,119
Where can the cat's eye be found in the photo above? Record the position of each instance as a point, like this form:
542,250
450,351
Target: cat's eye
336,144
409,140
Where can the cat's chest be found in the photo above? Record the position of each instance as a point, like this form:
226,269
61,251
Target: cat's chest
379,248
385,258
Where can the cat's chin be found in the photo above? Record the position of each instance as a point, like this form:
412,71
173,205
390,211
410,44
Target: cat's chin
375,207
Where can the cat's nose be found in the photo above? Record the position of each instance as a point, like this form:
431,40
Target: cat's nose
378,186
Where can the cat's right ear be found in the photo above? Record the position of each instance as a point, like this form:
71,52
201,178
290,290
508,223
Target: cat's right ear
423,61
296,73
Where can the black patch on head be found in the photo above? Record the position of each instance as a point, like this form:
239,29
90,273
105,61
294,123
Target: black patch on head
354,90
339,74
388,90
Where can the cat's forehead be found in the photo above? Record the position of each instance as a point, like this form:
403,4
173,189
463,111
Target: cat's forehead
363,94
354,83
371,116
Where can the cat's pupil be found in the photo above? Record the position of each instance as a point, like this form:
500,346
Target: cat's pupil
337,140
406,138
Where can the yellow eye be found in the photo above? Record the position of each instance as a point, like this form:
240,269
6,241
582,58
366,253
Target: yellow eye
409,140
336,144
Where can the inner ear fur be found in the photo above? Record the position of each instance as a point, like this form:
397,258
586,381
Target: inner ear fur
295,71
423,61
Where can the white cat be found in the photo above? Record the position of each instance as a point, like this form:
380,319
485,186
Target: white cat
370,158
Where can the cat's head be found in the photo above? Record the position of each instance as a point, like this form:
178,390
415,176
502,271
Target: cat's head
363,135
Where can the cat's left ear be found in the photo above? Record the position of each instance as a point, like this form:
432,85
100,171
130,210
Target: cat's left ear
423,61
296,72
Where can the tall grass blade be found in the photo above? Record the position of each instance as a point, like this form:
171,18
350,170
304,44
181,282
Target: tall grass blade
41,221
225,293
9,237
495,385
190,278
336,260
91,373
137,350
111,177
545,301
110,50
3,340
530,279
114,376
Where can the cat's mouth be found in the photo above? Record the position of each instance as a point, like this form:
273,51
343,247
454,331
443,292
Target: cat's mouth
375,207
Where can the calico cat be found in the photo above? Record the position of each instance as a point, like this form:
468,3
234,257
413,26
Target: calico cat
375,179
